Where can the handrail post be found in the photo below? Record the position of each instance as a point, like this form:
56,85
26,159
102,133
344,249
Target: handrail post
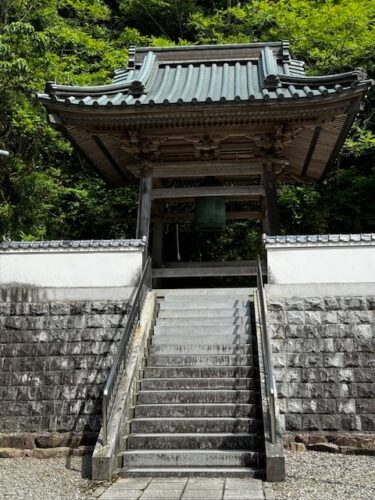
110,387
266,342
105,419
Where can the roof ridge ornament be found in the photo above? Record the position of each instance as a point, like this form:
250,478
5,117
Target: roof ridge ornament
271,78
285,50
131,57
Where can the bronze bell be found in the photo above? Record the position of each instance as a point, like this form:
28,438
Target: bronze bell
210,214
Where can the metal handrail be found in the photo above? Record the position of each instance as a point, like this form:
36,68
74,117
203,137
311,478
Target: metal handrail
113,379
267,359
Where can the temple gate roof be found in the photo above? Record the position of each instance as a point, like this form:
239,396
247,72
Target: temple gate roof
207,74
212,104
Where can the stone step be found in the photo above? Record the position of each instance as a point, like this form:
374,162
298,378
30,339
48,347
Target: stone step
195,302
195,410
200,349
239,290
194,441
191,458
199,371
223,312
195,339
197,321
204,331
196,396
237,472
232,291
199,360
162,384
193,424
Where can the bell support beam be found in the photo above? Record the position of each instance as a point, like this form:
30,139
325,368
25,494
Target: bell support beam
144,207
177,170
207,191
272,209
190,216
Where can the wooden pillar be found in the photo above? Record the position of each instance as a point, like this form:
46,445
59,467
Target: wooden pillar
158,243
263,209
144,207
272,208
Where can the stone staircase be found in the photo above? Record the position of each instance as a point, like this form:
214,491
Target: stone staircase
197,410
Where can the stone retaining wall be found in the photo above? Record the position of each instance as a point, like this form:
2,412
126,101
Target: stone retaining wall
323,353
54,359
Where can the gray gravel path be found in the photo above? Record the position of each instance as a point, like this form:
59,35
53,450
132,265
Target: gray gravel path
310,476
324,476
44,479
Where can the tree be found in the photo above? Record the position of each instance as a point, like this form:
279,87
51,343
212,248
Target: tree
46,190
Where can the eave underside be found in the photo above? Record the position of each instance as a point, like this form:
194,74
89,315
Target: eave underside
233,143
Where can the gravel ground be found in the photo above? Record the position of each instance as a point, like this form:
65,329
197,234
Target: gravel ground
324,476
310,476
44,479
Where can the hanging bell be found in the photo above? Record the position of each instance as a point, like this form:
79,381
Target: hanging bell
210,214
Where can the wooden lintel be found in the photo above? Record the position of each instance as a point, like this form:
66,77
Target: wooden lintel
209,191
189,216
199,169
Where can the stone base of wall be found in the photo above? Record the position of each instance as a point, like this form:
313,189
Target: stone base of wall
46,452
352,443
47,444
323,355
54,360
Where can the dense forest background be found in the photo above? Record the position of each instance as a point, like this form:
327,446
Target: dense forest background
47,191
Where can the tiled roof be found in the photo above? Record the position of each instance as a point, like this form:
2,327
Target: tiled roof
207,74
70,244
323,239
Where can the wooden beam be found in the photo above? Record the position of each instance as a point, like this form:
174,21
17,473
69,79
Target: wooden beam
199,192
205,269
272,208
144,207
263,207
189,216
199,169
310,151
103,148
157,242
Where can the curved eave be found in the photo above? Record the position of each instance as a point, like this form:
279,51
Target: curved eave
267,99
96,140
280,96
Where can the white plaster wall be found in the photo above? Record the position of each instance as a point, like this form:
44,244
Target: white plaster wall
70,268
340,264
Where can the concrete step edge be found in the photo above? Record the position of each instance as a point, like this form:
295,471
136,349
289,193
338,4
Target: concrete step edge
194,434
193,419
195,391
151,471
193,379
191,452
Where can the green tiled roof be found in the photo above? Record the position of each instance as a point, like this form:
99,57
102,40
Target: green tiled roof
208,74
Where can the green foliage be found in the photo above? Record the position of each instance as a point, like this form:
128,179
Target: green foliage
167,19
234,25
301,209
46,191
240,240
360,142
